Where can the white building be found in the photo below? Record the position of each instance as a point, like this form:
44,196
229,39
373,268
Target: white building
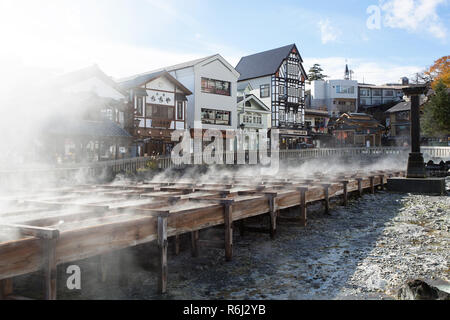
213,81
371,96
335,96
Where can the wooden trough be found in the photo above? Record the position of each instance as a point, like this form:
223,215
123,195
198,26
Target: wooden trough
40,231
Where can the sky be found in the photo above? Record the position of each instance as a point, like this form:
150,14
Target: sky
381,41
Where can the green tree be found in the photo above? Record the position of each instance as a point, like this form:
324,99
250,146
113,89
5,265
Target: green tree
315,73
436,112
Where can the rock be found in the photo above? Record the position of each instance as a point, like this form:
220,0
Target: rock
420,290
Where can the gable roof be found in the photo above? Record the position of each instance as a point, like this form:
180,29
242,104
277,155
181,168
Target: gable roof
104,128
180,66
73,77
261,104
140,80
405,105
264,63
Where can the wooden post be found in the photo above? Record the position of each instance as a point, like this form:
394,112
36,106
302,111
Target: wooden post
102,267
381,181
194,243
228,218
162,244
6,288
273,216
372,184
360,189
326,198
177,245
303,208
49,267
344,184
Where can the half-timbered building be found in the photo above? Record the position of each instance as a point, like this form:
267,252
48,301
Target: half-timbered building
160,103
278,79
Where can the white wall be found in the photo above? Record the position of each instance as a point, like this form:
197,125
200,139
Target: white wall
257,83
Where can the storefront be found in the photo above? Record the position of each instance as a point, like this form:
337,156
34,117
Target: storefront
294,139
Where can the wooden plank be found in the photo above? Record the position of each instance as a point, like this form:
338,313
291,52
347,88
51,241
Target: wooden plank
38,232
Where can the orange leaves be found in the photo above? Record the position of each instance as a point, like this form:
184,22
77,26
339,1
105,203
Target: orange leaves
440,70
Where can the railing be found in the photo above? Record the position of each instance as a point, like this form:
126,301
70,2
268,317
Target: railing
134,164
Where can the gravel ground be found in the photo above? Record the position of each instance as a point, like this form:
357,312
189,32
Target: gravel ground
366,250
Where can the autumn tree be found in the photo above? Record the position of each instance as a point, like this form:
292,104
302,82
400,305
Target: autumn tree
440,70
436,114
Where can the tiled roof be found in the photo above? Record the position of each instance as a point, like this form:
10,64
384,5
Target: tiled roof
105,128
262,63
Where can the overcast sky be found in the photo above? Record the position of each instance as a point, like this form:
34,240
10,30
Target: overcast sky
125,37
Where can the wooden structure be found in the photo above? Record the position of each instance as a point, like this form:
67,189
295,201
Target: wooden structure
358,129
42,230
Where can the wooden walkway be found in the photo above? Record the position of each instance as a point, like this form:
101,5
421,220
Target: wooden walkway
40,231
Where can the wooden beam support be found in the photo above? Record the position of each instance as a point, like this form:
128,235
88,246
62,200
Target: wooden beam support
273,214
326,198
49,267
194,243
6,288
303,206
372,184
360,188
228,217
162,244
345,190
381,181
176,243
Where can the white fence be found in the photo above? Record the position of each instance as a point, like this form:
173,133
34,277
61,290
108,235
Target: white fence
134,164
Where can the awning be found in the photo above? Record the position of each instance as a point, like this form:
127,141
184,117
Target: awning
140,92
180,97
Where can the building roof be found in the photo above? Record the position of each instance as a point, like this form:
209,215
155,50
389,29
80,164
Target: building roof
262,105
357,121
404,105
264,63
73,77
385,86
105,128
179,66
140,80
241,86
316,112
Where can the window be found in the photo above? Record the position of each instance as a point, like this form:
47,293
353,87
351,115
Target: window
107,114
264,91
160,112
345,89
388,93
210,116
376,93
140,105
248,104
216,87
180,107
364,92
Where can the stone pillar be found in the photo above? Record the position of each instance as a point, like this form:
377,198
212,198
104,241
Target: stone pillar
416,165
